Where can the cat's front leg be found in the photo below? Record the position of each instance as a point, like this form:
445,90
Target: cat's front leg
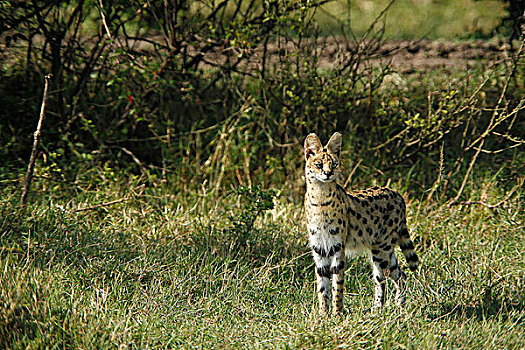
322,272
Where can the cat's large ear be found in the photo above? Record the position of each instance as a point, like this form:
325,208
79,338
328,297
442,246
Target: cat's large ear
334,144
312,145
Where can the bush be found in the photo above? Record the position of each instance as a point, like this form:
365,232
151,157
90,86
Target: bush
224,94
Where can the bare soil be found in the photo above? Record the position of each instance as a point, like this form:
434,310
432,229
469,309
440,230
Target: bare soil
424,55
404,56
412,56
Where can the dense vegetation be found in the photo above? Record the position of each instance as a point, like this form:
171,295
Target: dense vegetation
166,210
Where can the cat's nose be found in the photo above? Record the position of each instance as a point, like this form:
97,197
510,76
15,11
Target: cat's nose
328,173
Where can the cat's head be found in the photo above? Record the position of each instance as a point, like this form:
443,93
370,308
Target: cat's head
322,163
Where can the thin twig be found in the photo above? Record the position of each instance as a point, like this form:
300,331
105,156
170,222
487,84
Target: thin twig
73,183
101,205
104,19
471,165
390,140
32,159
135,159
352,172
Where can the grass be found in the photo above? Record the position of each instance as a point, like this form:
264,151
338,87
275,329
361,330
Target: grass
159,271
417,19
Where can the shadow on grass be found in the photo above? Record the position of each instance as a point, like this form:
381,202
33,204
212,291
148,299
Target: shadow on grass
502,308
102,250
80,243
22,326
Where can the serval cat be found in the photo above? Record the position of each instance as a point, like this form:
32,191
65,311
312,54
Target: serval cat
341,223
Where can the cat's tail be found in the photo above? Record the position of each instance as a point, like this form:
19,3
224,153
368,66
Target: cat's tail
407,248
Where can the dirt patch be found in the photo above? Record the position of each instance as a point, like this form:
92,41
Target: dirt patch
423,55
404,56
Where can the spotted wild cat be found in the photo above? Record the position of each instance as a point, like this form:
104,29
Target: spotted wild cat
341,223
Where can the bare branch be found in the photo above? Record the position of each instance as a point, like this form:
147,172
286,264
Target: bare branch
32,160
471,165
352,172
101,10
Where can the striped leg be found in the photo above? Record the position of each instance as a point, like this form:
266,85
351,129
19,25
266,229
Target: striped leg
379,264
379,280
322,272
399,278
338,280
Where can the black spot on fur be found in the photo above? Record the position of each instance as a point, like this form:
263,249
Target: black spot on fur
412,258
327,253
334,231
339,267
323,271
407,246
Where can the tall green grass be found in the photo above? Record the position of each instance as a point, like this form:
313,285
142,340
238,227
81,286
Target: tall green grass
157,271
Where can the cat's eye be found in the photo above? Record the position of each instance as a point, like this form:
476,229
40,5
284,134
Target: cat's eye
319,165
334,165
